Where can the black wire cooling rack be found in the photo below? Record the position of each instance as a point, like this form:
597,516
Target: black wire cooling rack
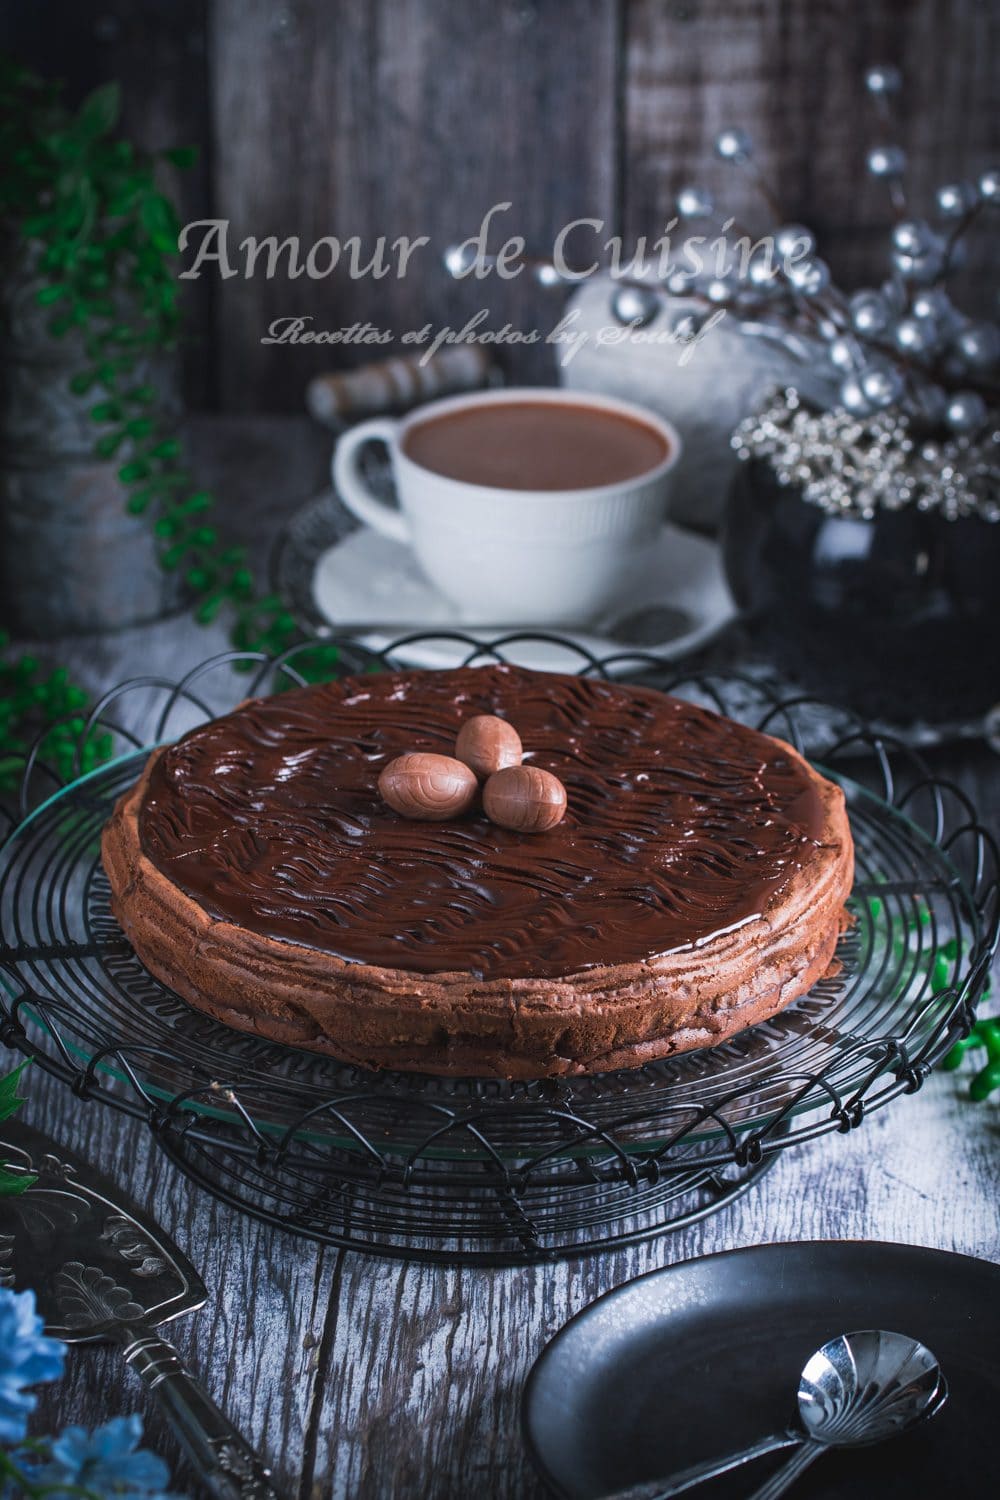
481,1170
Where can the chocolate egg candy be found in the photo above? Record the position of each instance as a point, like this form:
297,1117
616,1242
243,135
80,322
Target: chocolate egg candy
430,787
487,744
524,798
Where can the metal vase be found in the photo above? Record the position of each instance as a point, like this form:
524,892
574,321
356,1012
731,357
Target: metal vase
72,560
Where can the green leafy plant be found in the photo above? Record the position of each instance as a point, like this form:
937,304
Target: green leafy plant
101,240
12,1183
30,699
986,1034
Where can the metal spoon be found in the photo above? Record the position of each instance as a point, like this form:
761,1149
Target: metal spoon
857,1389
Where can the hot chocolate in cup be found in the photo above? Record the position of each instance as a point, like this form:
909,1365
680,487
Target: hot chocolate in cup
523,506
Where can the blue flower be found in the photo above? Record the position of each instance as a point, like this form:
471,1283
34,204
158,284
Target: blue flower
26,1357
107,1461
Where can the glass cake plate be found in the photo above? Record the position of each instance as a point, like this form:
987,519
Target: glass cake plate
478,1169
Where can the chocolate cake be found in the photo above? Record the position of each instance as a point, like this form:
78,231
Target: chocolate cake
694,887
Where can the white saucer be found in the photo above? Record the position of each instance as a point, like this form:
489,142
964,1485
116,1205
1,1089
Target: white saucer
677,600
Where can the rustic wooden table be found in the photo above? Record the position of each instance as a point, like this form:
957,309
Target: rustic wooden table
366,1378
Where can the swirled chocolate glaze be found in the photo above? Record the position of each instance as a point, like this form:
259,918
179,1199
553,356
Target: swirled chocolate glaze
681,825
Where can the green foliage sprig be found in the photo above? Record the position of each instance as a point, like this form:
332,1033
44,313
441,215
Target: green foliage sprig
12,1183
101,239
30,699
986,1034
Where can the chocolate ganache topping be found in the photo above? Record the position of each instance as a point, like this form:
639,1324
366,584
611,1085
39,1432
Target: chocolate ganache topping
680,825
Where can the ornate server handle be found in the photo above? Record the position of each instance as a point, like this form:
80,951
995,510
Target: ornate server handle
224,1460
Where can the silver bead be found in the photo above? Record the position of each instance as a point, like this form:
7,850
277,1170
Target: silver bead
694,203
966,412
721,289
809,277
919,270
989,185
933,302
762,272
458,259
843,354
882,386
886,161
915,335
733,145
914,237
679,283
955,199
883,80
979,345
635,305
546,274
870,313
853,398
794,240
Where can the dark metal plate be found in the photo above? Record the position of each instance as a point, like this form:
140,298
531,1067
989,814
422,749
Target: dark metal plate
704,1357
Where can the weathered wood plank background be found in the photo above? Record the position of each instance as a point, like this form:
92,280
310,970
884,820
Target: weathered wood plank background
412,117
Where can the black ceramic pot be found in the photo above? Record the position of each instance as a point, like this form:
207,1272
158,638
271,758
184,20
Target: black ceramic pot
897,617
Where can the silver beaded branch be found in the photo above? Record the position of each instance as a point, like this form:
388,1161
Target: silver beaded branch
901,347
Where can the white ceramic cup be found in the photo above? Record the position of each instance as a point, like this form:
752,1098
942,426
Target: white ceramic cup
513,557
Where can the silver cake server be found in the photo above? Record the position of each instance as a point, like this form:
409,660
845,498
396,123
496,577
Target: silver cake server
101,1269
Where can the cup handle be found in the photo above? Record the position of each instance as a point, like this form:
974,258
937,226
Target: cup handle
350,483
